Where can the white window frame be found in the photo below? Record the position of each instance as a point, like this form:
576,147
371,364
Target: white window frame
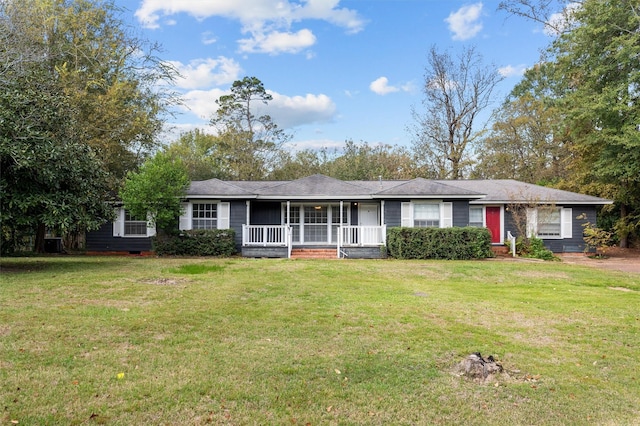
565,217
119,225
222,210
445,209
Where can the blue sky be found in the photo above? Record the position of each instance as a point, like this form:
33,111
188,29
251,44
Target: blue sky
337,70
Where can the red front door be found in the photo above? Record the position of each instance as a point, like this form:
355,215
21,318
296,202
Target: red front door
493,223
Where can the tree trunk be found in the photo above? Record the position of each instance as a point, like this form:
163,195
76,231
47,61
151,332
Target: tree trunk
39,243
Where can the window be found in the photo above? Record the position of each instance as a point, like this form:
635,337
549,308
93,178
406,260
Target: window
316,219
127,225
549,223
426,215
204,216
134,226
475,217
438,214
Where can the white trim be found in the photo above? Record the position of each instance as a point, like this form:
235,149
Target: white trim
446,214
566,223
224,211
118,224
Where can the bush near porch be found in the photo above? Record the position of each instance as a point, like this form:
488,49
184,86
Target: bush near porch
200,242
439,243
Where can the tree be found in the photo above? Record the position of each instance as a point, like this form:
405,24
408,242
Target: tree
250,144
371,162
80,100
595,65
119,89
198,151
523,144
47,179
155,190
456,90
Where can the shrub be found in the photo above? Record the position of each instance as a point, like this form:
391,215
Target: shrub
533,247
439,243
201,242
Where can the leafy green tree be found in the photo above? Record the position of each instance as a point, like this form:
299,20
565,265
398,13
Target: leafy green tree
48,180
154,191
456,90
199,153
600,62
251,144
110,77
370,162
523,144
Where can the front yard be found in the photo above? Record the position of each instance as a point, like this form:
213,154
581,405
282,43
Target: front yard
106,340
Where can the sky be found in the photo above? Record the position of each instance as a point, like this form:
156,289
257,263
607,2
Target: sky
337,69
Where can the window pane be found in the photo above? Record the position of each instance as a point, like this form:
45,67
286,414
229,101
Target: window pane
549,222
475,216
134,226
204,216
426,215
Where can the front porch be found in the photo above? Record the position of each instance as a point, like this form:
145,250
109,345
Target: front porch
356,242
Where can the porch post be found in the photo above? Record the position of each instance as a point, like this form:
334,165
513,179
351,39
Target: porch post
248,218
381,212
339,233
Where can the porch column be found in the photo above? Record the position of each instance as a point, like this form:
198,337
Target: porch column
381,212
288,213
248,218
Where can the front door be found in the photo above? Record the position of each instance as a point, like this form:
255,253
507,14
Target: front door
368,216
493,224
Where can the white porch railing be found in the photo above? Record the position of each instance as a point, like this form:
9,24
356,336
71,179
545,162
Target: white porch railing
266,235
358,236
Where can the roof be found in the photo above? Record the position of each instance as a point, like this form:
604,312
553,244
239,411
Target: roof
509,191
321,187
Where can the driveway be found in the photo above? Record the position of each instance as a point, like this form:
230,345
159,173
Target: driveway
624,260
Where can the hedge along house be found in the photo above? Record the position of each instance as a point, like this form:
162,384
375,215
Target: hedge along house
350,218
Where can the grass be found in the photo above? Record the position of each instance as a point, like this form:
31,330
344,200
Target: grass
122,341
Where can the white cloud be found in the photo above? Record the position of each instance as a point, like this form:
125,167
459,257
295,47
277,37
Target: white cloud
286,111
208,37
315,145
381,87
510,70
200,73
561,21
464,23
278,42
267,21
293,111
202,103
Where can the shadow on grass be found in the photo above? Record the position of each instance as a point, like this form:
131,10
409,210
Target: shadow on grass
56,263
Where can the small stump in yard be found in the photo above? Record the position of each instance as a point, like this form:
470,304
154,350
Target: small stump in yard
479,369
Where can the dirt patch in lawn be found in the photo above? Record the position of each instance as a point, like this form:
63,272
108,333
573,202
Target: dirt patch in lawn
617,259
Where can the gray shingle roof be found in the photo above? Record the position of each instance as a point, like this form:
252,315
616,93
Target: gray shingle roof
505,191
499,191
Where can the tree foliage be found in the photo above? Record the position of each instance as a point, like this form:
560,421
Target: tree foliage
197,150
80,107
456,90
524,143
48,179
250,144
155,191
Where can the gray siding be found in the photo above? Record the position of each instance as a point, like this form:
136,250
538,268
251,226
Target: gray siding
580,216
237,218
103,240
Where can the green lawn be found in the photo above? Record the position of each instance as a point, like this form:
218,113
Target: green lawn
106,340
